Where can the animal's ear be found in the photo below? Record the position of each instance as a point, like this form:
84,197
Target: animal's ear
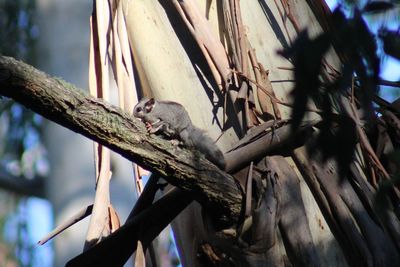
149,104
151,101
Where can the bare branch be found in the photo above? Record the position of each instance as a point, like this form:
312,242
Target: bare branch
110,126
82,214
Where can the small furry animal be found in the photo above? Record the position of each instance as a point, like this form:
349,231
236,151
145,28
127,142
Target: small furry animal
172,119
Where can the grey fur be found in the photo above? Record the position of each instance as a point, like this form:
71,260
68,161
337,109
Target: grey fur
172,120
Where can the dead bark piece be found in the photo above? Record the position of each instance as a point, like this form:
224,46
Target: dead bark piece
263,99
241,37
211,254
381,246
99,225
265,93
255,243
384,144
269,88
114,221
231,32
329,183
302,161
255,132
261,243
266,216
293,221
386,216
364,189
289,7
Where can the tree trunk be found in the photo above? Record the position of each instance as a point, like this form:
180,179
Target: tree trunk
175,45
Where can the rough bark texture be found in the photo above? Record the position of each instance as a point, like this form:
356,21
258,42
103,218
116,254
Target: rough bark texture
110,126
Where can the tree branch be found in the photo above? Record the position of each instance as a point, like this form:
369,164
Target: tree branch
115,249
108,125
21,185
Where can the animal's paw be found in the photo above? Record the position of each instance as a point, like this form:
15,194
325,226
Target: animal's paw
175,142
151,129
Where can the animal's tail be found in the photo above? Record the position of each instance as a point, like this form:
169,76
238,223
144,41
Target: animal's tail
201,141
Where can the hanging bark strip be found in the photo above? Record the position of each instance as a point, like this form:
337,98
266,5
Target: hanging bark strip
241,36
286,4
213,51
240,47
239,44
365,144
123,71
211,47
104,220
267,103
122,61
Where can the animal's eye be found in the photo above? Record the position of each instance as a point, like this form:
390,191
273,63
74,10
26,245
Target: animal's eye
138,109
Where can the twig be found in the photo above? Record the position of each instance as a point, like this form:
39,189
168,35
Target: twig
365,144
273,97
262,77
389,83
283,17
288,12
82,214
249,191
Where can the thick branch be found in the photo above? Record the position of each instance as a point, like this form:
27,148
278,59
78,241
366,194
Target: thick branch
110,126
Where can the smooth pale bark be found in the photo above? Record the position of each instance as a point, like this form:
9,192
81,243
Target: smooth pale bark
168,64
